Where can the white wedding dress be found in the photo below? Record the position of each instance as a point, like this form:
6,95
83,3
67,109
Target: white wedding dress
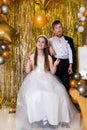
43,97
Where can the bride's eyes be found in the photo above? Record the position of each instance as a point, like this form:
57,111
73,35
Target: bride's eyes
43,42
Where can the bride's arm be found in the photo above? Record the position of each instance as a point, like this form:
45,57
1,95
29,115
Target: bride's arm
28,67
53,66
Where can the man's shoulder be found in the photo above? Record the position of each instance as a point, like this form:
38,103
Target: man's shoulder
67,38
51,38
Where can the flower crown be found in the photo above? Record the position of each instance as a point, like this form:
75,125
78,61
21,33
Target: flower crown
42,35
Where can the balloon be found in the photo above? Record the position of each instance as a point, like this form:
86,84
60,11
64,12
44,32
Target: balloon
85,13
73,99
82,90
3,47
76,26
82,9
82,23
77,76
80,29
82,18
80,15
7,32
2,60
40,19
81,82
1,2
73,83
6,2
0,10
3,17
6,54
4,9
5,42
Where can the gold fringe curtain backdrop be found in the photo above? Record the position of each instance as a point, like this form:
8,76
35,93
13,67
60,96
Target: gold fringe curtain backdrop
21,18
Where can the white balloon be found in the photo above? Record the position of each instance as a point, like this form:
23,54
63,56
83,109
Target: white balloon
83,18
5,9
80,29
76,26
80,15
3,47
82,9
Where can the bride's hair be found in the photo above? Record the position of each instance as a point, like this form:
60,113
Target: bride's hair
46,63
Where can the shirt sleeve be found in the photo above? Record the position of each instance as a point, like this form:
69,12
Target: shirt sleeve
70,55
50,41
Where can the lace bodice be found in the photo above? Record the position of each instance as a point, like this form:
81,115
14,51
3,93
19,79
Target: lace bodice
40,64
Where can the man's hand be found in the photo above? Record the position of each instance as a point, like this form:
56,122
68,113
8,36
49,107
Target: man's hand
70,69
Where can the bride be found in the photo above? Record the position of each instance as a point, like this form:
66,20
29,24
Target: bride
43,102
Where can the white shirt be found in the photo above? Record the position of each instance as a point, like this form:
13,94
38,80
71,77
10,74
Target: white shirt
61,48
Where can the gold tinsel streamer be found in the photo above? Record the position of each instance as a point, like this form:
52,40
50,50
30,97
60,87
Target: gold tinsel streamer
21,18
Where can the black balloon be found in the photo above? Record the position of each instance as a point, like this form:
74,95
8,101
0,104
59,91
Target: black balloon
4,47
82,90
77,76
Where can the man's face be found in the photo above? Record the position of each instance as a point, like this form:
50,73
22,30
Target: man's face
58,30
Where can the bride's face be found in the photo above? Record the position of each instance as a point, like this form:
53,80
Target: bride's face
41,43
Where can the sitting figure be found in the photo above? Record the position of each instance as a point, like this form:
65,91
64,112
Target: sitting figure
42,99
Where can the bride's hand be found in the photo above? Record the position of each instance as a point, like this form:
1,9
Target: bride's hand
28,66
27,57
56,62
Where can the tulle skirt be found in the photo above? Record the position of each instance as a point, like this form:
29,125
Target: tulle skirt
43,103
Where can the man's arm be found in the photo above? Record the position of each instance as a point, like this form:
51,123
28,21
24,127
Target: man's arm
71,43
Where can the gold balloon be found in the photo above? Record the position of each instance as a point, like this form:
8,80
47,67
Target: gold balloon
81,82
40,19
1,2
0,10
73,83
6,2
6,54
4,17
82,23
7,32
85,13
74,100
5,42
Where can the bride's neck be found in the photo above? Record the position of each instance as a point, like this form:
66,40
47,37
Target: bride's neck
40,53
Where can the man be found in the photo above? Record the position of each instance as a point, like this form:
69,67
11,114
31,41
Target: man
61,47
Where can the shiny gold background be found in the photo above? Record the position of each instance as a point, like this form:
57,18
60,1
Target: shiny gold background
21,18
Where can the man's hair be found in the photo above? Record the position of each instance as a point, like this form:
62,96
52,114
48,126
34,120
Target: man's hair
55,23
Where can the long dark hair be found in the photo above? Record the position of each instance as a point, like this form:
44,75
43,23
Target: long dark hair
46,60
